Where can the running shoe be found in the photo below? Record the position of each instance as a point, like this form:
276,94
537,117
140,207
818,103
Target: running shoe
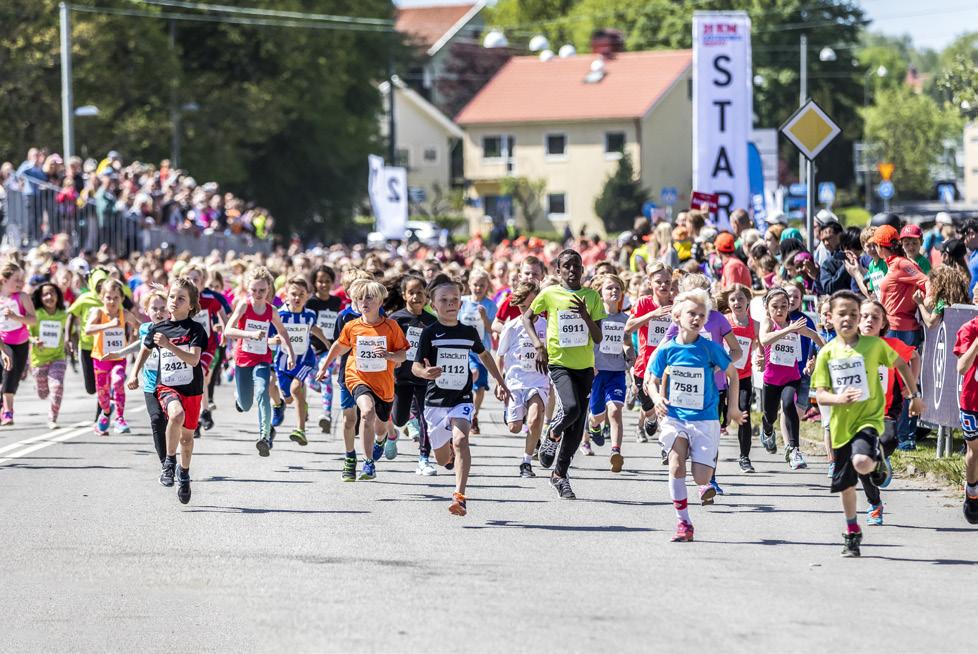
183,485
458,505
563,487
851,542
640,435
206,420
888,476
349,469
237,406
831,471
526,470
907,446
684,532
797,460
197,431
586,449
475,427
52,424
548,452
369,471
707,493
716,486
596,434
414,429
211,406
630,397
769,442
665,457
971,508
120,426
271,437
425,468
101,425
299,436
325,424
390,449
167,471
745,465
278,414
874,515
617,461
378,450
263,446
651,425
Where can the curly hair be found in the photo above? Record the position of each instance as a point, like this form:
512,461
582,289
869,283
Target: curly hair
948,283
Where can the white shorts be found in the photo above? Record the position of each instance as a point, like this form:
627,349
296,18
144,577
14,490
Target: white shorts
703,437
517,407
439,419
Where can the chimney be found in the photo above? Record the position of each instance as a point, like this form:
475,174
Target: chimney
606,42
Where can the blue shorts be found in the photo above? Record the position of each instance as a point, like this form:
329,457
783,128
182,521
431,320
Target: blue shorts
346,397
608,387
482,374
301,372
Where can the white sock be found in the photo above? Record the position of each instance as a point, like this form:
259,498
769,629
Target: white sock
527,458
677,491
972,489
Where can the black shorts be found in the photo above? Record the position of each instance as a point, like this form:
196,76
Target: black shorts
641,395
866,442
382,408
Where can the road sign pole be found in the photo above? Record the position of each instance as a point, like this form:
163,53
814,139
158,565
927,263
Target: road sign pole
810,204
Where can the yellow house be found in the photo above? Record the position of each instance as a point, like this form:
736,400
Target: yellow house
568,121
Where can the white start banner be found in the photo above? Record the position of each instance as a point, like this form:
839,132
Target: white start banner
387,187
722,108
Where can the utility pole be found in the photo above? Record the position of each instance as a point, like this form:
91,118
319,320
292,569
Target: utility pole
802,96
391,130
174,106
67,99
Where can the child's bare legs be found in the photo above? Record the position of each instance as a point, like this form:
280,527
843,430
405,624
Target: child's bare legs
299,393
368,425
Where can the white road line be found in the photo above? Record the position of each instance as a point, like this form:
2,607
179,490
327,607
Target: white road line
38,446
34,439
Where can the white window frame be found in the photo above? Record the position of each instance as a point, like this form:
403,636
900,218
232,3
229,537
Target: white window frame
555,157
614,156
551,214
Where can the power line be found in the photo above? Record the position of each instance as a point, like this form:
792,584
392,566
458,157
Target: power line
268,13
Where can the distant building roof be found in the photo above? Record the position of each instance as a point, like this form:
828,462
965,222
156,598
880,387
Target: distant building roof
431,27
529,90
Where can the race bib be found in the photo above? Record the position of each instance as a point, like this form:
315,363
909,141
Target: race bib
173,371
745,344
203,318
413,338
113,339
657,330
849,372
526,355
50,333
259,346
786,351
367,359
454,364
875,279
326,320
687,387
473,319
299,337
612,338
571,329
6,324
884,377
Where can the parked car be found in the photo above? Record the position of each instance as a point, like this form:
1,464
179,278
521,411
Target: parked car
420,230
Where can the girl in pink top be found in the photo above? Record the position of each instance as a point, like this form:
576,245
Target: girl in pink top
16,313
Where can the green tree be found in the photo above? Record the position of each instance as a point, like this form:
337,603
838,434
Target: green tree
908,129
621,198
527,194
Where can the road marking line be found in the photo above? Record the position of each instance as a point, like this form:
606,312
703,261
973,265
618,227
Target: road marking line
38,446
34,439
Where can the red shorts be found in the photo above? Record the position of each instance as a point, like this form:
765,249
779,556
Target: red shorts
190,404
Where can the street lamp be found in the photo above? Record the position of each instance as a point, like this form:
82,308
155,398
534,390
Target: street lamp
495,39
826,54
86,110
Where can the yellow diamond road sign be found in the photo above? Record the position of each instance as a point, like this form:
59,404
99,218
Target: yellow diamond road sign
810,129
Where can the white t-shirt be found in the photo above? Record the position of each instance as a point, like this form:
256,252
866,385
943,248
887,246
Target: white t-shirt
519,355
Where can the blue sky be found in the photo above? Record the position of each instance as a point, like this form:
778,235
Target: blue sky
932,24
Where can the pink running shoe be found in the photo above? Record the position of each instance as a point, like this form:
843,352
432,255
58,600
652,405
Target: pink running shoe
684,532
707,493
6,418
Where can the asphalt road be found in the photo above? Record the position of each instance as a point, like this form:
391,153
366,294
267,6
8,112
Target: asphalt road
278,555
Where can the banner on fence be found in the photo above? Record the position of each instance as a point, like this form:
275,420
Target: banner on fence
939,375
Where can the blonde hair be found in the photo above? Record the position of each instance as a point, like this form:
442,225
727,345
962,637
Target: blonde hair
697,296
10,268
363,289
479,273
599,281
259,273
694,281
109,284
153,294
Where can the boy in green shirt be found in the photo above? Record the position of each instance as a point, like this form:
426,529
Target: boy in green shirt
846,378
573,314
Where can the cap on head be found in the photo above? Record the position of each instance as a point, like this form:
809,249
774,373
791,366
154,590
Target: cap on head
911,231
944,218
725,243
885,236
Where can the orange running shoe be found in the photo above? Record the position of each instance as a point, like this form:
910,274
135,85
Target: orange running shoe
458,506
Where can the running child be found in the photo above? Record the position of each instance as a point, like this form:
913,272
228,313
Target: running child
846,379
966,350
737,300
180,379
568,357
479,311
443,355
610,364
378,345
250,322
409,389
16,315
48,347
529,387
327,308
689,427
108,325
211,317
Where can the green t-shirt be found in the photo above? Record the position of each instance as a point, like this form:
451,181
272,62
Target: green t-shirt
79,309
923,262
875,273
51,329
839,365
569,343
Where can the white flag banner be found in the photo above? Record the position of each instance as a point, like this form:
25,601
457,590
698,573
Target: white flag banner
722,108
387,187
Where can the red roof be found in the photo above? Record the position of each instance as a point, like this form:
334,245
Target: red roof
529,90
425,25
